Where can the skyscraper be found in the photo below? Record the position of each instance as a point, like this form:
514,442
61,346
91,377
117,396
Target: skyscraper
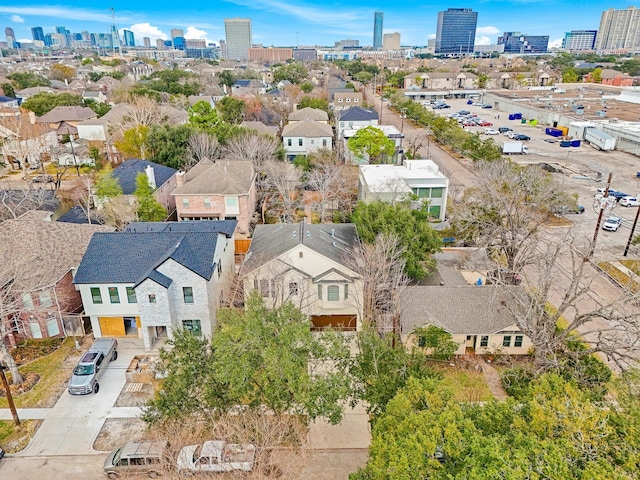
516,42
62,30
129,38
147,42
456,31
377,30
11,37
177,39
37,33
577,40
619,29
391,41
238,36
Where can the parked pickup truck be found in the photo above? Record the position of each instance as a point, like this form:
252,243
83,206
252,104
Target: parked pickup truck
216,456
89,370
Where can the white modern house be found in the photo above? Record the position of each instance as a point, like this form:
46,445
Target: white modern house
419,179
354,118
153,278
306,136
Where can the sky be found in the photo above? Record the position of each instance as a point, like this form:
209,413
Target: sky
304,22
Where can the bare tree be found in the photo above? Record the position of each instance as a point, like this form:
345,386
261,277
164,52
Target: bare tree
507,209
25,143
201,146
281,182
327,182
255,147
142,111
381,266
14,202
80,194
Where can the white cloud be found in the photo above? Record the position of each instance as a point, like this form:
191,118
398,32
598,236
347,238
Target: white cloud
193,33
431,36
557,43
141,30
483,41
489,30
17,19
25,40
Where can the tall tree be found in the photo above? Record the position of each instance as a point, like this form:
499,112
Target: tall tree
201,146
371,144
134,142
64,73
254,147
294,72
232,109
148,209
280,183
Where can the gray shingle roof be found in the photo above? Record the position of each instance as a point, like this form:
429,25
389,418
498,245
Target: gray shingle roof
333,240
67,114
203,226
357,114
307,128
468,310
127,172
132,256
309,113
218,178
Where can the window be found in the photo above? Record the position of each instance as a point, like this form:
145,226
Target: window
187,293
152,298
333,293
434,210
207,203
131,295
436,192
319,292
312,141
518,342
293,288
95,295
341,124
300,254
27,300
266,288
324,142
114,297
299,142
288,142
506,341
45,298
219,268
422,341
346,291
185,202
484,341
193,326
231,202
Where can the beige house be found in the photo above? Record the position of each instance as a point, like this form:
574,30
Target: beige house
305,264
308,113
217,190
71,115
481,319
306,136
346,100
439,81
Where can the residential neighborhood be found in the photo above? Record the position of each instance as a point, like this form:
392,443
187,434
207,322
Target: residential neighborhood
329,262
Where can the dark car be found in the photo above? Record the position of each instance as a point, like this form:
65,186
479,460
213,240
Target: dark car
42,179
520,136
464,112
486,105
504,129
1,452
618,195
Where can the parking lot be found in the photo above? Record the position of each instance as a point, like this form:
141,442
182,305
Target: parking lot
582,170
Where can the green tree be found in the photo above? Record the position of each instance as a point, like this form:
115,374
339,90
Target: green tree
232,109
371,144
307,87
100,108
203,116
134,142
411,226
438,341
24,80
481,80
569,75
226,77
596,75
174,82
270,357
294,72
167,144
107,186
63,73
8,90
319,103
148,209
364,77
44,102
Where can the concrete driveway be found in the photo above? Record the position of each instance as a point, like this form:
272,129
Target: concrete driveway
72,425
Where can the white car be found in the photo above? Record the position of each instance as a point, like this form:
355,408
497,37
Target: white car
490,131
612,224
511,134
629,201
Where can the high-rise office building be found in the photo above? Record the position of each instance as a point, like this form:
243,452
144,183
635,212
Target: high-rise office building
238,38
159,44
619,29
129,38
62,30
377,30
391,41
11,37
37,33
577,40
147,42
177,32
515,42
456,31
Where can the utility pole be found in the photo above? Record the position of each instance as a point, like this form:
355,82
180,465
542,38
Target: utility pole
603,204
633,229
5,384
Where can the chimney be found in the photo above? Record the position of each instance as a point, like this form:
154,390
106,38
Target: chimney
151,177
179,179
32,117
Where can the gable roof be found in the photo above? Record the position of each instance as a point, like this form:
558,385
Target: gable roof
133,255
307,128
332,240
357,114
218,178
127,172
467,310
50,249
309,113
68,114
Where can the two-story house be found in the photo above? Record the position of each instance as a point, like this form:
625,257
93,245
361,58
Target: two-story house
153,278
162,180
354,118
217,190
308,113
306,136
346,100
38,260
305,264
419,179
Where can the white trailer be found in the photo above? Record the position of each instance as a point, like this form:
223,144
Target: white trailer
509,148
599,139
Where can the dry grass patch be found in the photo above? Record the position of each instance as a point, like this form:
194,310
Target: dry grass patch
468,384
619,276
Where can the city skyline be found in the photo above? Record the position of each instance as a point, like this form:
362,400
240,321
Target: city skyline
302,23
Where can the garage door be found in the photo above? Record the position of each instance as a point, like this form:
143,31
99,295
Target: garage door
339,322
112,326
